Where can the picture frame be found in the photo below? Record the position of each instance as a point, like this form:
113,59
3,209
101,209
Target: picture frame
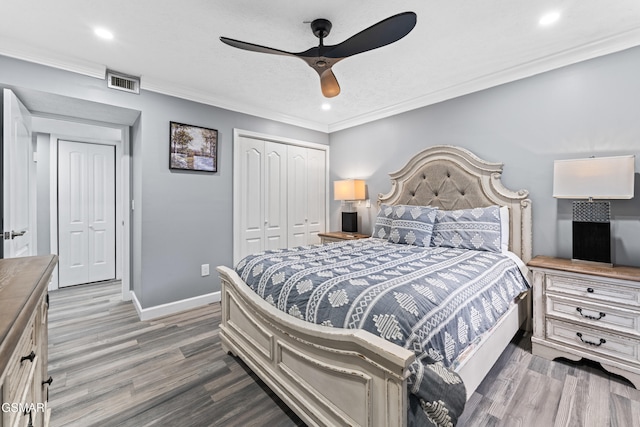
193,148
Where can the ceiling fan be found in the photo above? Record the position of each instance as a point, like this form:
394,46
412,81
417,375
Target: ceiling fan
322,58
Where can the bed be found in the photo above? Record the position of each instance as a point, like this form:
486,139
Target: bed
335,376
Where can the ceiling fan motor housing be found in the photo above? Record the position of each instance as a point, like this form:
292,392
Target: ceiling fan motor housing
321,28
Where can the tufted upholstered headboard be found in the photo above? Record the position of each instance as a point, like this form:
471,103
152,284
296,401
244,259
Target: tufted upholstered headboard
454,178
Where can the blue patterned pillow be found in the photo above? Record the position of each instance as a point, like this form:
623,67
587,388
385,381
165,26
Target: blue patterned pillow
477,229
382,226
412,225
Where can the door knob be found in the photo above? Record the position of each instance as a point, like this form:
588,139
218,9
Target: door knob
10,235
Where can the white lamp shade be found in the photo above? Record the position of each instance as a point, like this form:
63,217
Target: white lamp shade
348,189
597,178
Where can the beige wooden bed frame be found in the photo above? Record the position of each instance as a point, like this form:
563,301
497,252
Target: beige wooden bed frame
331,376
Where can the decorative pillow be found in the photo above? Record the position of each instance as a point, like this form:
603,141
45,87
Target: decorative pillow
504,229
382,226
477,229
412,225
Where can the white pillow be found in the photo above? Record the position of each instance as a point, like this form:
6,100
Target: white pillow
504,229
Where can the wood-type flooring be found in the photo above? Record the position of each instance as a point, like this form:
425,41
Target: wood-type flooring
111,369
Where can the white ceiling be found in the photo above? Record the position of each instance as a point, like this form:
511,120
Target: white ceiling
457,47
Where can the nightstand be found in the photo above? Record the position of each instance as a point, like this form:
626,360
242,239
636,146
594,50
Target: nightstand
336,236
582,310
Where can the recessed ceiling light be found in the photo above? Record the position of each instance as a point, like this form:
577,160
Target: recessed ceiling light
549,18
103,33
326,106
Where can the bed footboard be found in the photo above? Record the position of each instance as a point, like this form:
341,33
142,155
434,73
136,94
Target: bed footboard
328,376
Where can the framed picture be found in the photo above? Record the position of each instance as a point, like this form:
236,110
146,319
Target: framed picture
193,148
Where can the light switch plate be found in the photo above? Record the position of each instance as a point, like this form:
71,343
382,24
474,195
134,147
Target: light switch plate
204,270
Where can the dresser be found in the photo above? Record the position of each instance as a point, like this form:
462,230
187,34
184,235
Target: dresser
24,304
587,311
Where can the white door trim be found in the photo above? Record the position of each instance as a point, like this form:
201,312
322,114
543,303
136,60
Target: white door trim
239,133
123,197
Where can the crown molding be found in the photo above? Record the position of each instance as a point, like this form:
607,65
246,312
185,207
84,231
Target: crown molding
16,49
19,50
191,95
557,60
616,43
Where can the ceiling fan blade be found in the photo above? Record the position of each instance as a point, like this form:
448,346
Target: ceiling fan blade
329,84
381,34
254,47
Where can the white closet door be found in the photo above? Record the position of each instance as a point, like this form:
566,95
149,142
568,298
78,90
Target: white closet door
279,196
316,194
101,214
275,193
297,196
251,215
86,213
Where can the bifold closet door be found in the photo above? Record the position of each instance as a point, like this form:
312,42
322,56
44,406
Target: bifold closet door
307,194
316,194
86,212
263,196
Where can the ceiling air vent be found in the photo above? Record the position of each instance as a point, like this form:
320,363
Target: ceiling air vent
123,82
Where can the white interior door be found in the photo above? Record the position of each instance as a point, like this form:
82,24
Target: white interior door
263,192
86,212
251,212
316,194
275,193
19,216
297,199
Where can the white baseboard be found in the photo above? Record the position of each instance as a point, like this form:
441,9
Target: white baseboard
162,310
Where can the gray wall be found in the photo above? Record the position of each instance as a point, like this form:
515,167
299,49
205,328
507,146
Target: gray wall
43,192
587,109
184,219
181,219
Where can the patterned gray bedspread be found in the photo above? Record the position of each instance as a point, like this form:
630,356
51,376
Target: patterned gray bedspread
434,301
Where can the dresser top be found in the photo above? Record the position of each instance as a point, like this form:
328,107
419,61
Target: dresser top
621,272
22,282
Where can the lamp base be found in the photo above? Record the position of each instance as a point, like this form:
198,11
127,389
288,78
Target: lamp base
350,222
592,242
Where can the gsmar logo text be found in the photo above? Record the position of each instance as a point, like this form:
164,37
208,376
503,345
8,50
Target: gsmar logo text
23,407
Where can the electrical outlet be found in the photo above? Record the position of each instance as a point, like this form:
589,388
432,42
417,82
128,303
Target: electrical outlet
204,270
367,203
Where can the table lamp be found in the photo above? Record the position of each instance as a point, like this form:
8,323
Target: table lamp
593,178
348,191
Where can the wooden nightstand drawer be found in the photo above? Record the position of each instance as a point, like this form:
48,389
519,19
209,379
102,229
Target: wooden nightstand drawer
594,314
594,341
592,289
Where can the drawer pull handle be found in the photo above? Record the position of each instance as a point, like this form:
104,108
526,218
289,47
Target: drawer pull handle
28,357
49,381
586,316
590,290
602,340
